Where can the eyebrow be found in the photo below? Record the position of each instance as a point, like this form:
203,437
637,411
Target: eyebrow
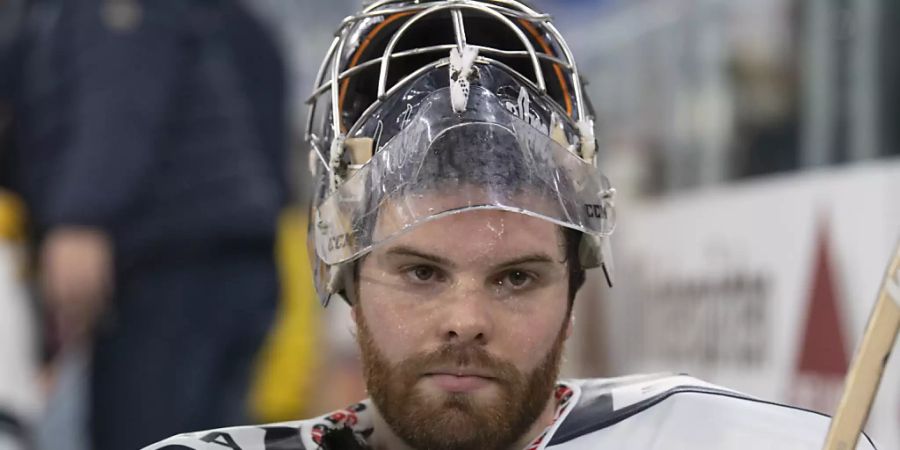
403,250
532,258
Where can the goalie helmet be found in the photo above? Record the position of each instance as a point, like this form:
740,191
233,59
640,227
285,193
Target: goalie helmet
478,100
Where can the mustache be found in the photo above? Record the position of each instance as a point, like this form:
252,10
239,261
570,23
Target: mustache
466,356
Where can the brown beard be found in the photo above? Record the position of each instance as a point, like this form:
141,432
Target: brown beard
457,421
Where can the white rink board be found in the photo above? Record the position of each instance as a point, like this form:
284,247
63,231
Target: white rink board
749,252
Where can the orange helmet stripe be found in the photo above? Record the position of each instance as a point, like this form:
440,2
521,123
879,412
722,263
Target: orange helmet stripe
359,51
562,80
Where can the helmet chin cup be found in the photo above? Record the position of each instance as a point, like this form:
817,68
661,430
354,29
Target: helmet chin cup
340,284
595,251
607,263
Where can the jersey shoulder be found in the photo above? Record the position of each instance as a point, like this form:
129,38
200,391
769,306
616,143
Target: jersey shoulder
285,435
677,411
295,435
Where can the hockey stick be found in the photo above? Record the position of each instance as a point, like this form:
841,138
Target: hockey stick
868,365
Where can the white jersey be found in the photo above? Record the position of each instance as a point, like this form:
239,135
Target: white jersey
641,412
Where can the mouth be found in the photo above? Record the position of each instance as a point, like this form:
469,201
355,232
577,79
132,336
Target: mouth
459,381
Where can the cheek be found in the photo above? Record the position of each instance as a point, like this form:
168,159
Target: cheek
389,324
528,337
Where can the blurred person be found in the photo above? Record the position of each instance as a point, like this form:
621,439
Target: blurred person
19,356
11,19
459,204
150,150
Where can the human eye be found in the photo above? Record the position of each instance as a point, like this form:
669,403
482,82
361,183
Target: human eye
423,273
516,279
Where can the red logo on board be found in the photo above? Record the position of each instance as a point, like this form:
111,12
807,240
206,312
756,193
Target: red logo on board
823,361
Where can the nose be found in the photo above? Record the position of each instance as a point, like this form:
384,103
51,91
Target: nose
468,317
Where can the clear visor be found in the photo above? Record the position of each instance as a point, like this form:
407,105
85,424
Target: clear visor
444,163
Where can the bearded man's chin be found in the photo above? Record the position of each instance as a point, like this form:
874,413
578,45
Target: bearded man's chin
479,390
457,424
493,419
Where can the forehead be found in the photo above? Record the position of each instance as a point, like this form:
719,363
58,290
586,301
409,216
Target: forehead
479,235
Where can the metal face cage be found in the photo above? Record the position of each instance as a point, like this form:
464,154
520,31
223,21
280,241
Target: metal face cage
391,45
356,33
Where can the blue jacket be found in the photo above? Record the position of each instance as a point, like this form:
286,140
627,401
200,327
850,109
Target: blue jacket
163,123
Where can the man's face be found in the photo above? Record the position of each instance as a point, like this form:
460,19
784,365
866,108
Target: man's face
461,326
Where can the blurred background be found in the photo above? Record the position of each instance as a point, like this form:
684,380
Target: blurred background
153,264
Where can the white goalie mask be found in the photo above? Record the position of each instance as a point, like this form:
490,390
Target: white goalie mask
478,98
